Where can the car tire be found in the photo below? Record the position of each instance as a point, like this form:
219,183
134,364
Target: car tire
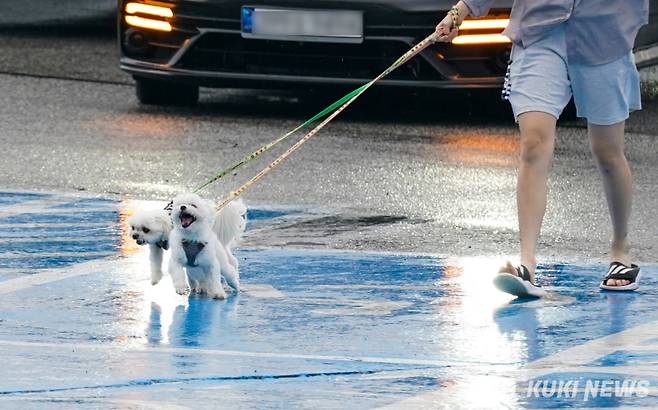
153,92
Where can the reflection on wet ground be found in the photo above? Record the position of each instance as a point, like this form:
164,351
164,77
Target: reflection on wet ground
311,329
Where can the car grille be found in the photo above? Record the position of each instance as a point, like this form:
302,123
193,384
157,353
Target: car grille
230,53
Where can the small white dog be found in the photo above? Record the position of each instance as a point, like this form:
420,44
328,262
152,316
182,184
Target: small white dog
196,247
154,228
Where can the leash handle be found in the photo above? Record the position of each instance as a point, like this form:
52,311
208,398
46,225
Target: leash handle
406,57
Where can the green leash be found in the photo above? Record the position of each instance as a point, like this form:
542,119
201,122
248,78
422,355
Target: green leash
346,101
338,103
260,151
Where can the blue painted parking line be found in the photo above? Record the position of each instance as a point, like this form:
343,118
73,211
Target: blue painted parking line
45,230
259,214
42,231
87,203
319,329
71,217
11,198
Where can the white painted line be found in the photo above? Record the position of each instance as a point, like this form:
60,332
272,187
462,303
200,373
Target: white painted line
57,211
570,360
12,271
54,275
33,205
15,255
55,225
650,348
262,291
374,286
227,353
46,239
594,349
97,401
362,308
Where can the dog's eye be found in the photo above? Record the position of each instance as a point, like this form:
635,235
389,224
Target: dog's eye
193,206
146,230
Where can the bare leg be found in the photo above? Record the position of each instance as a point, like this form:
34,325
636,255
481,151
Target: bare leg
537,144
607,143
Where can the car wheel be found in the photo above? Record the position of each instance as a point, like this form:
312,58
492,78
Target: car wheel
153,92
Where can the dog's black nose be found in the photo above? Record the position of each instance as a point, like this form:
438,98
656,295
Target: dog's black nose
135,236
183,207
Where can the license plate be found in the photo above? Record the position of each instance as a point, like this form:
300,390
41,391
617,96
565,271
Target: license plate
334,26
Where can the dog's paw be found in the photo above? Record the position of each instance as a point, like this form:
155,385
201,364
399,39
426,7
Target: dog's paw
218,294
183,290
156,277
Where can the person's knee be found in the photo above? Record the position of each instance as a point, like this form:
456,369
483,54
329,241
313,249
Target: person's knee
608,156
607,144
536,144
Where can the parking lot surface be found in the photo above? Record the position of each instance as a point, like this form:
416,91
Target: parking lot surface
82,326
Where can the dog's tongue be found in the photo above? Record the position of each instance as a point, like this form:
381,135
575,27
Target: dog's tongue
186,220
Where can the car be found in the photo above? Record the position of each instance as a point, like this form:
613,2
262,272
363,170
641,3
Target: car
171,48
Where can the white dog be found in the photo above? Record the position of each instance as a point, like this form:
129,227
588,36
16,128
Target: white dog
195,247
154,227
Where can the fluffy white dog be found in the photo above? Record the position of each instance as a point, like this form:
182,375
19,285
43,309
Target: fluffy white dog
196,247
153,228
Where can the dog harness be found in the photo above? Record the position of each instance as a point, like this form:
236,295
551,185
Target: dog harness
192,250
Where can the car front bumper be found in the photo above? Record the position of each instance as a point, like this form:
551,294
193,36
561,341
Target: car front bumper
206,47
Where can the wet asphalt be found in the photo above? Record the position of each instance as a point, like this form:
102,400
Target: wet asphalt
400,172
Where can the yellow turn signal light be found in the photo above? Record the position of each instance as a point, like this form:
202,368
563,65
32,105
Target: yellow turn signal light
481,39
488,24
148,10
485,38
134,8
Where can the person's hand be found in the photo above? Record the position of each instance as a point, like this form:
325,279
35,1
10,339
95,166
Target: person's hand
446,31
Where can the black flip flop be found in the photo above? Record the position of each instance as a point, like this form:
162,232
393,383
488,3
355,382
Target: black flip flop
518,285
620,271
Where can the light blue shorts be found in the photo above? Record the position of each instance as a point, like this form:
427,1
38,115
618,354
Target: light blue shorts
541,79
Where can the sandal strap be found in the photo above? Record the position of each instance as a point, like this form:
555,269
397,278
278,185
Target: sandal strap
523,273
619,271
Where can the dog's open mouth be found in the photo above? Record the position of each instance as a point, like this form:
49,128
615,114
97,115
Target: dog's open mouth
140,241
186,219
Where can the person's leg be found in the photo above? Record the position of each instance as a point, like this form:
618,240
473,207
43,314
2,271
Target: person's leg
538,89
607,143
537,144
